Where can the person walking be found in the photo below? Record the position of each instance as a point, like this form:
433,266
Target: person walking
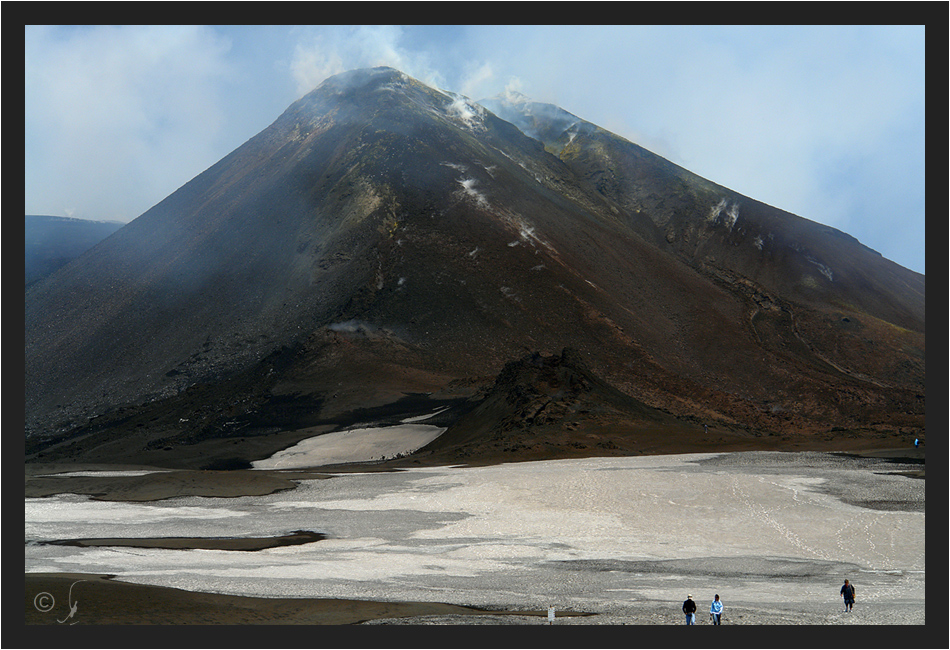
715,611
847,592
689,608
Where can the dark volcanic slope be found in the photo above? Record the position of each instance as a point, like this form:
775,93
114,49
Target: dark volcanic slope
384,238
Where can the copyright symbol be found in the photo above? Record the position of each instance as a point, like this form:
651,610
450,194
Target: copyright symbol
44,601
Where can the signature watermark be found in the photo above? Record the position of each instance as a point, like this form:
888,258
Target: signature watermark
44,602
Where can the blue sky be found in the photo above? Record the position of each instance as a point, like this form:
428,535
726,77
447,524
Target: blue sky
826,122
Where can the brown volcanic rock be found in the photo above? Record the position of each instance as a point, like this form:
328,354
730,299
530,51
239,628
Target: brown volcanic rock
383,238
548,407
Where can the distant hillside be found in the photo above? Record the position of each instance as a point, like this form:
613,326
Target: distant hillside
52,242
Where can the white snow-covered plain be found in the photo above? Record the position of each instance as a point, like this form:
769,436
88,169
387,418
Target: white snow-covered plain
763,530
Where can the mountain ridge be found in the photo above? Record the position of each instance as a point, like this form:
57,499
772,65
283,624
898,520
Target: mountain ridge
53,241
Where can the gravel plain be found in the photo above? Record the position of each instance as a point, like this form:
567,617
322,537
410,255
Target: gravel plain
617,541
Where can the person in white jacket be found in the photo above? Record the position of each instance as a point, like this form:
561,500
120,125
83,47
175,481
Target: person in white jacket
715,611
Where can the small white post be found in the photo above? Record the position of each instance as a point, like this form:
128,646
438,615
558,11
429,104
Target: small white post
550,615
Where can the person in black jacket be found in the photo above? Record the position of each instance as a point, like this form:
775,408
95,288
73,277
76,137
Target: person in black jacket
847,592
689,608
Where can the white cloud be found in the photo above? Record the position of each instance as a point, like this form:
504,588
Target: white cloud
117,112
822,121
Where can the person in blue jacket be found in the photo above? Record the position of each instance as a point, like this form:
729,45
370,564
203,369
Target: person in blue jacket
715,611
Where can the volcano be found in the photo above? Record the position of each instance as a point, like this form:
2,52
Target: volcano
385,249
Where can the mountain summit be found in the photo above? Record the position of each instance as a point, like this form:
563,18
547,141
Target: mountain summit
383,239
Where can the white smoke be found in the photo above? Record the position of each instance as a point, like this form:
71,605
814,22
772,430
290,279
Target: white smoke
571,133
468,113
512,92
468,188
732,213
324,51
328,52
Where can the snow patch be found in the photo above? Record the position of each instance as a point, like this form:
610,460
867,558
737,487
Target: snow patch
107,473
824,270
353,446
527,233
525,230
352,327
510,293
420,418
537,177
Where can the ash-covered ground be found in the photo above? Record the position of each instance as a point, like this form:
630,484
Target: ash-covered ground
620,540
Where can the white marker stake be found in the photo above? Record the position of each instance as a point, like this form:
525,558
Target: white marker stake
550,616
